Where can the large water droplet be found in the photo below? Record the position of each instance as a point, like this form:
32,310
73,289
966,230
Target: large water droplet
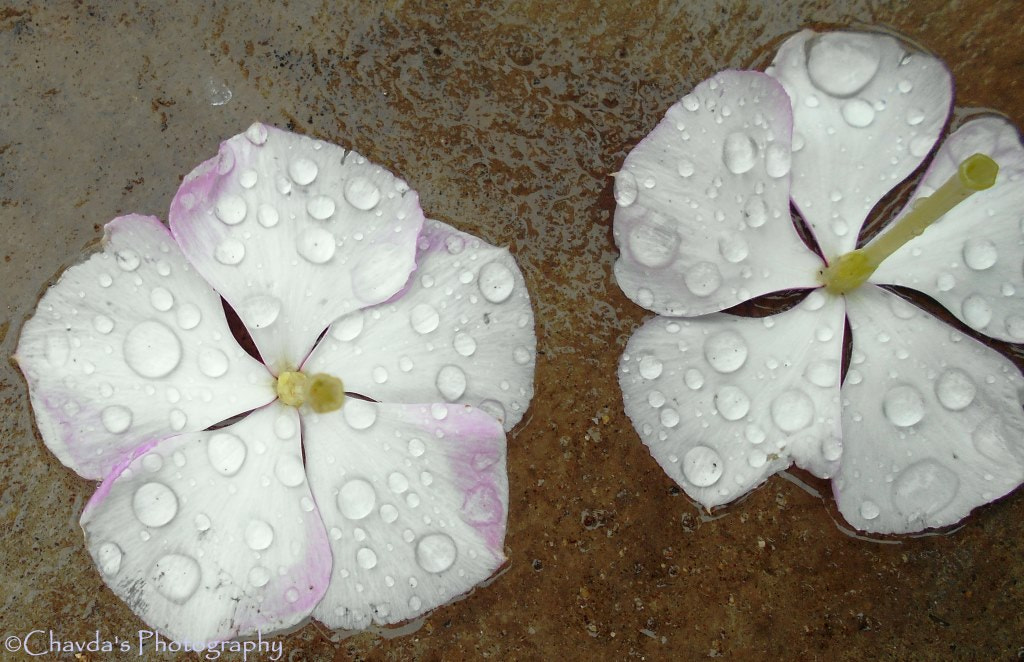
496,282
650,367
103,324
356,499
258,576
127,259
366,558
842,64
258,535
226,453
230,252
778,160
903,406
732,403
116,419
733,248
397,482
161,299
154,504
703,279
625,188
739,153
289,471
230,209
260,311
653,242
979,253
256,133
151,349
823,373
316,245
726,351
977,311
176,577
359,414
694,379
362,193
792,410
755,212
464,344
267,216
188,316
436,552
924,488
858,113
451,382
213,362
702,466
108,558
302,171
321,207
424,318
955,389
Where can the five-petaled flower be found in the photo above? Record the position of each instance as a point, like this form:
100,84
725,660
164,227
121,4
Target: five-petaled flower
374,513
927,423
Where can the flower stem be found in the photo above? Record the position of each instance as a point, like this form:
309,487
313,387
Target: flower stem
850,271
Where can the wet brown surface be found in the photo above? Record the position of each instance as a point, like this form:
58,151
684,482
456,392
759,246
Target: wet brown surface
507,122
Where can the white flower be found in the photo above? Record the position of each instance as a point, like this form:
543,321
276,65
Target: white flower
927,423
374,513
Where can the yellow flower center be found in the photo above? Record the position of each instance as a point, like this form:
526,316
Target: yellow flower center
850,271
322,392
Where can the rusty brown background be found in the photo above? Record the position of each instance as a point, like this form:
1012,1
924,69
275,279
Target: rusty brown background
508,120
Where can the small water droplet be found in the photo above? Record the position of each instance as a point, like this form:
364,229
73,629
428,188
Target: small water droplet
465,345
362,193
258,535
703,279
625,188
176,577
226,453
858,113
151,349
650,367
496,282
108,558
436,552
903,406
127,260
231,209
702,466
869,510
356,499
694,379
316,245
188,316
321,207
256,133
979,253
154,504
303,171
739,153
424,318
451,382
260,311
755,212
924,488
653,242
726,351
792,410
955,389
359,414
977,311
103,324
267,216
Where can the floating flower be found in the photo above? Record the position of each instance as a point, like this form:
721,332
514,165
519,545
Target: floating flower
927,424
374,512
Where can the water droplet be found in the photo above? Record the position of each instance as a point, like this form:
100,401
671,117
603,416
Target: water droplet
755,212
792,410
694,379
397,482
103,324
217,91
151,349
106,280
726,351
258,535
739,153
256,133
161,299
284,426
451,382
869,510
108,558
823,373
903,406
436,552
260,311
732,403
656,399
686,167
321,207
858,113
521,355
733,248
702,466
650,367
213,362
267,216
653,242
258,576
366,558
464,344
842,64
202,522
625,188
188,316
1015,327
289,471
924,488
230,209
229,252
127,260
778,160
955,389
356,499
176,577
152,462
154,504
424,318
226,453
496,282
454,244
703,279
977,311
945,282
248,179
316,245
669,417
921,145
291,595
303,171
362,193
979,253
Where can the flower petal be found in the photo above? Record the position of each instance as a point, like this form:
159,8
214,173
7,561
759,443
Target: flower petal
414,498
865,114
294,233
132,345
932,420
970,259
214,535
461,331
723,402
703,202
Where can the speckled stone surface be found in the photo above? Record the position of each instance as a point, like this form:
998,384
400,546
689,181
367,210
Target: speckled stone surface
508,122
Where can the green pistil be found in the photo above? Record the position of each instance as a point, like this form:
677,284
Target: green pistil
850,271
323,393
